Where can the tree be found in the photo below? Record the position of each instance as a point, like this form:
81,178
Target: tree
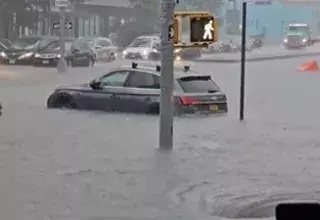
151,11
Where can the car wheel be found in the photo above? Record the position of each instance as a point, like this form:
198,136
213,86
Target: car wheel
154,110
61,101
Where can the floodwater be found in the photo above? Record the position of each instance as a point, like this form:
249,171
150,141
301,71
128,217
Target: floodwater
78,165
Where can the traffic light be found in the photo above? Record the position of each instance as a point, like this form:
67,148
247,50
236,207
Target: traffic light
174,31
203,29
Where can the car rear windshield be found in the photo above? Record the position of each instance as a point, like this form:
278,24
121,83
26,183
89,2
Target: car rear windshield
198,84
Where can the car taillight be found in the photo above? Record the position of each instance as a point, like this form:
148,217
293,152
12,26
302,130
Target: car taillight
187,100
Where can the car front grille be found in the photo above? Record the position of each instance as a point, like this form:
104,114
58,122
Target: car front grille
294,38
133,55
13,56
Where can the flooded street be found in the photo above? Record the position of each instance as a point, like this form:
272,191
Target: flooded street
77,165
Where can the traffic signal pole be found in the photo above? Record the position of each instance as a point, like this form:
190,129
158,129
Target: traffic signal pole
166,106
62,66
243,59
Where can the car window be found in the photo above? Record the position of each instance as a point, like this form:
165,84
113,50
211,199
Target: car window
198,84
156,45
84,46
104,43
5,42
114,79
143,80
51,46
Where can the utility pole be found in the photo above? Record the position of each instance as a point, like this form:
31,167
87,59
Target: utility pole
62,5
166,106
243,60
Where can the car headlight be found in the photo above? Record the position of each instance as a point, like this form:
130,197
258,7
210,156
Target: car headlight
155,50
3,54
177,50
145,52
125,52
285,40
58,56
37,55
304,40
26,55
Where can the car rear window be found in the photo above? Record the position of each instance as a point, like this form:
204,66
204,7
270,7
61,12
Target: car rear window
198,84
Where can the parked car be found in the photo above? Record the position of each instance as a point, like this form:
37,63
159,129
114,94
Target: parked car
103,48
178,53
142,47
50,55
80,54
137,89
23,49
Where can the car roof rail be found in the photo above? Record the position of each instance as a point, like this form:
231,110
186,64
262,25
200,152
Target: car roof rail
134,65
186,68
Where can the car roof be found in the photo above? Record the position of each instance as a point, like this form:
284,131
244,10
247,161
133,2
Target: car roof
92,38
179,72
39,37
298,25
151,37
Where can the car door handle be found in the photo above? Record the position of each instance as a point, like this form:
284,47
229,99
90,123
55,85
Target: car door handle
148,99
114,96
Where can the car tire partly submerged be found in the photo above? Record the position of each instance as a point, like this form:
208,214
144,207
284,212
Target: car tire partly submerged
61,101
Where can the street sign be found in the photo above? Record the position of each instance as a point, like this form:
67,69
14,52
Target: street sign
61,3
203,29
174,31
68,25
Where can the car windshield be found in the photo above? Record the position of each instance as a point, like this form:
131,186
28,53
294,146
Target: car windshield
67,46
5,42
198,84
25,43
141,43
299,28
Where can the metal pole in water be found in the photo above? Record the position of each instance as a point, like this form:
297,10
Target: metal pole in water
243,59
62,65
166,107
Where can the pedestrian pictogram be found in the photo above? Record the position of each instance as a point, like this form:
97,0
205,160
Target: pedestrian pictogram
203,29
208,29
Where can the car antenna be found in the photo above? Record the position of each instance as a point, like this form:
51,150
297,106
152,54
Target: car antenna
134,65
186,68
158,68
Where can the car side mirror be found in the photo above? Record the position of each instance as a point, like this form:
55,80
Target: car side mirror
98,47
95,84
75,51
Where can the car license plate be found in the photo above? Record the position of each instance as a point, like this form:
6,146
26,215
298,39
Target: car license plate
12,61
213,108
45,61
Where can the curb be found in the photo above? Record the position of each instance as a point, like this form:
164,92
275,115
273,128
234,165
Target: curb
257,59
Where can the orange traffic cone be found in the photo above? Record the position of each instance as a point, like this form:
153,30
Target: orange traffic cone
310,65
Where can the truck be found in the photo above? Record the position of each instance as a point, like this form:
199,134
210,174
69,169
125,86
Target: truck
297,36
